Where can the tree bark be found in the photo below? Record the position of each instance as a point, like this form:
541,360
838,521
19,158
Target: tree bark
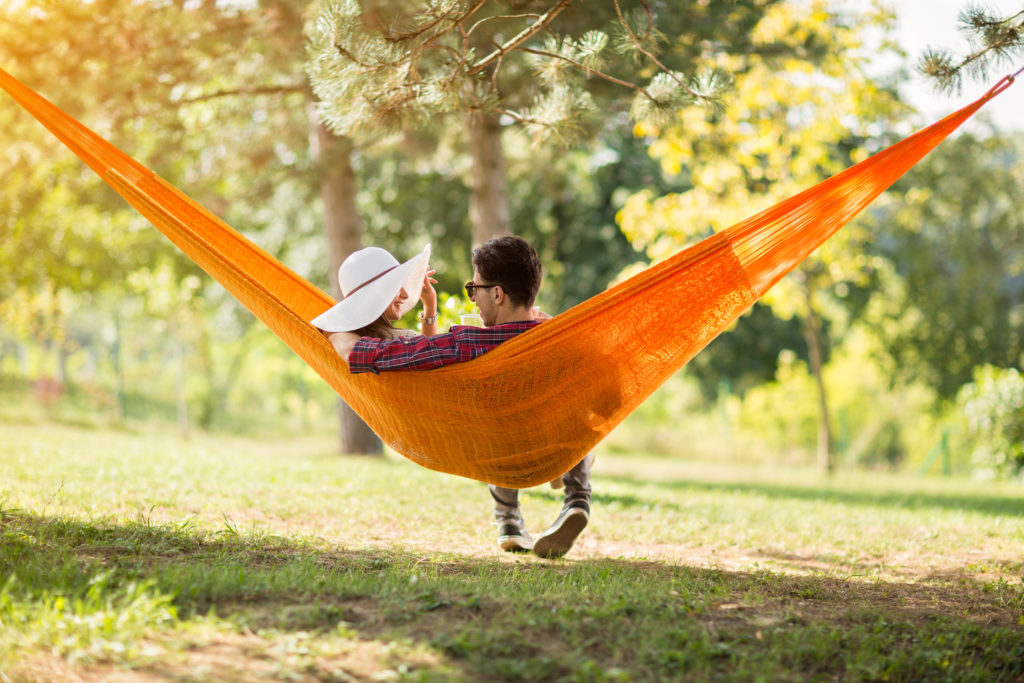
812,334
208,404
344,235
118,353
488,203
23,363
182,397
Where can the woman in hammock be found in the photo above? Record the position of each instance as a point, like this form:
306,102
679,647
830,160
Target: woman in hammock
372,277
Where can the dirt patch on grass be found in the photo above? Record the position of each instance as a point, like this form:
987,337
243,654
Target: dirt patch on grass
243,658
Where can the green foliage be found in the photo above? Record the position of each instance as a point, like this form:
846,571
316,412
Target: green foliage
798,115
748,353
994,406
206,96
197,365
565,204
953,230
879,424
411,193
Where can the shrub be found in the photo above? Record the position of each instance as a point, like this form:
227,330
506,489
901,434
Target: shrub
994,407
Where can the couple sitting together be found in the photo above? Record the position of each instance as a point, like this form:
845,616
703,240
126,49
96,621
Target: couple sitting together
506,277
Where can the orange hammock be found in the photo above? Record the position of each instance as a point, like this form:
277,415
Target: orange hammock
529,410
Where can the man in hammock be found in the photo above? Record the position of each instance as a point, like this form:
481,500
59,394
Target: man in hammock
506,278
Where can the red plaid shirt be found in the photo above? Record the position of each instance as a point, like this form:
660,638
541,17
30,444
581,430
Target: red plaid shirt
462,343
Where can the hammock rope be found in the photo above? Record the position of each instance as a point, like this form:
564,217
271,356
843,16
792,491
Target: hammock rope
532,408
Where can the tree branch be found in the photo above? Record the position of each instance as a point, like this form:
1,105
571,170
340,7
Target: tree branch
584,67
519,118
939,65
408,35
1008,38
521,37
266,90
150,111
346,53
502,16
648,53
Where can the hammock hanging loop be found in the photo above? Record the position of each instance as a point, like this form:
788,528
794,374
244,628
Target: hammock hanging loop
1001,85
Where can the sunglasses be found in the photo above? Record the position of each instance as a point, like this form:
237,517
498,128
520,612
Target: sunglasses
471,288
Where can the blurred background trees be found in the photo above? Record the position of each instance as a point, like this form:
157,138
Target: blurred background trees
614,135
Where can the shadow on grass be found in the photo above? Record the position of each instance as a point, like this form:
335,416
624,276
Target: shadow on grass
360,612
1010,506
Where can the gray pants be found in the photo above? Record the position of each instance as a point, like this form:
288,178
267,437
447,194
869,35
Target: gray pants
577,488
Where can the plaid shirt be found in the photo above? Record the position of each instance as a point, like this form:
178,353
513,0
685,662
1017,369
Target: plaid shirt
462,343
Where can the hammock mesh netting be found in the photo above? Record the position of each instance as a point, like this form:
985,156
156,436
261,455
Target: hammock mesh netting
529,410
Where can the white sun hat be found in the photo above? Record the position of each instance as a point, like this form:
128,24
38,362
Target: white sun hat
370,280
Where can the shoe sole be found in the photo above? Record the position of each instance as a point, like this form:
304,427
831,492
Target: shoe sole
514,544
558,542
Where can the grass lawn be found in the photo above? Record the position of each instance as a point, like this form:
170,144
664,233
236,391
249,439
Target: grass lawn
144,557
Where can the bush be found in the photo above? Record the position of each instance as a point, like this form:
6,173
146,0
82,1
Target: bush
994,407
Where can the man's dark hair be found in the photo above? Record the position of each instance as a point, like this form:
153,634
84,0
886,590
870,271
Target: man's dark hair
511,262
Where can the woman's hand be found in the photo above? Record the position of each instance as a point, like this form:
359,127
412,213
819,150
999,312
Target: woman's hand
429,298
428,295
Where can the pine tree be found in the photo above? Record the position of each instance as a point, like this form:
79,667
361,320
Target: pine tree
386,65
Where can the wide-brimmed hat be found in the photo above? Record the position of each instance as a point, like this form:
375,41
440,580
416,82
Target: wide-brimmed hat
370,280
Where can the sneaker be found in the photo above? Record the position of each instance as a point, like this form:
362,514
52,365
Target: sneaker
559,537
513,539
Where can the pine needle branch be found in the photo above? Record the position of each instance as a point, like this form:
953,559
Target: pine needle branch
543,21
501,17
647,53
589,70
246,92
437,21
997,39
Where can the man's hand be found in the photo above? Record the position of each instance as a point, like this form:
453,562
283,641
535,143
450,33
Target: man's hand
343,343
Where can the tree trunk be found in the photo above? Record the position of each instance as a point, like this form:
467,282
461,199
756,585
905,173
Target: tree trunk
118,354
208,404
23,364
344,234
63,376
826,458
488,203
182,397
234,367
